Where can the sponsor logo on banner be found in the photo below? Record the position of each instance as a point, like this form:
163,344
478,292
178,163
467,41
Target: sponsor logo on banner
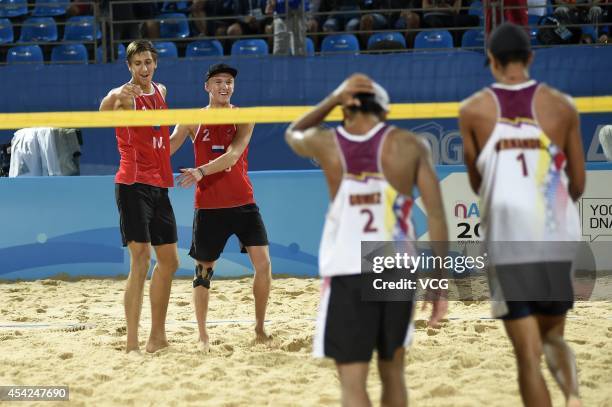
466,217
463,210
596,216
446,146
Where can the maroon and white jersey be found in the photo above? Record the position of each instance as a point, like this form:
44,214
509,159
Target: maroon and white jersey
366,206
524,188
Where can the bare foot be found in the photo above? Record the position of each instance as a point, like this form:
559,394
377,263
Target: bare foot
153,345
261,336
132,347
574,401
204,344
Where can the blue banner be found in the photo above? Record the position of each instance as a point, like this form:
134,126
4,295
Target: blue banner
70,225
286,81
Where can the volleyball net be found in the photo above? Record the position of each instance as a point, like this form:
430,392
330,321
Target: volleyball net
267,114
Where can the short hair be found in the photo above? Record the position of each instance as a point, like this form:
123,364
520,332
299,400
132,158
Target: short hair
368,105
521,56
138,46
509,43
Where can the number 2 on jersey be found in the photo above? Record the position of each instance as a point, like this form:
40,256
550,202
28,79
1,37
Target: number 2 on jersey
369,227
521,158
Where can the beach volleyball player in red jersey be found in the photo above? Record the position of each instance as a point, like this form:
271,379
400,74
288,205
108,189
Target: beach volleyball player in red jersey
141,191
224,202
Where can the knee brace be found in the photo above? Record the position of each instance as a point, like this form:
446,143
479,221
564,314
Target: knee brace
202,279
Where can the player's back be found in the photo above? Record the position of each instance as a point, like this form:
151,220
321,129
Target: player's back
522,162
373,200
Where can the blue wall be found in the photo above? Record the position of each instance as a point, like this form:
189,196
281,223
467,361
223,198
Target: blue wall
273,81
53,225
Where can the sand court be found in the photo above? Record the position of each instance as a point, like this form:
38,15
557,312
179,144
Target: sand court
72,333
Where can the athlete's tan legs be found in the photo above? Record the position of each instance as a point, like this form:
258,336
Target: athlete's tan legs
262,280
353,378
140,260
201,296
159,293
559,357
394,393
524,334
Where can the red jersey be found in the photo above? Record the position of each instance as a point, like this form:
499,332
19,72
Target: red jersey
225,189
145,151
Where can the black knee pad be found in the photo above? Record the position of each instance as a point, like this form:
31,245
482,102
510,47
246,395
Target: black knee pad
202,279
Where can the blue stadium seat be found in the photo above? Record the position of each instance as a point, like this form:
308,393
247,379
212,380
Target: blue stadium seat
533,20
119,55
166,49
69,54
174,6
38,29
50,8
339,43
204,48
473,39
82,28
433,39
310,48
25,54
250,47
590,31
477,10
388,37
13,8
173,25
6,31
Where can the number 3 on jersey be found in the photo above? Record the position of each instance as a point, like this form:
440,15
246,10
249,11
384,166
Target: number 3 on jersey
369,226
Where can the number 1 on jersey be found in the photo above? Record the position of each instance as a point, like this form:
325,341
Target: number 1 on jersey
521,158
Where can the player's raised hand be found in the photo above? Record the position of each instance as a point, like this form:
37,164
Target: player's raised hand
356,83
189,177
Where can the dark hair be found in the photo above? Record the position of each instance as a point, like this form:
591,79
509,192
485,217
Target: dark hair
368,105
138,46
505,58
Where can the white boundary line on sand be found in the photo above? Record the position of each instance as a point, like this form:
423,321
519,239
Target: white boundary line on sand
79,326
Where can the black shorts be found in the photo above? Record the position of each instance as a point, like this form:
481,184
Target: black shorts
212,228
145,214
349,328
543,288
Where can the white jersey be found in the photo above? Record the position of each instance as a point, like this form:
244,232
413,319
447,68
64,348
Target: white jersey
366,206
524,188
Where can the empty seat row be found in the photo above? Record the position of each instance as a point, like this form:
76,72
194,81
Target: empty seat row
43,29
53,8
63,53
42,8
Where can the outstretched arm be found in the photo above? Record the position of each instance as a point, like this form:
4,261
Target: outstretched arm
179,135
241,140
121,97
